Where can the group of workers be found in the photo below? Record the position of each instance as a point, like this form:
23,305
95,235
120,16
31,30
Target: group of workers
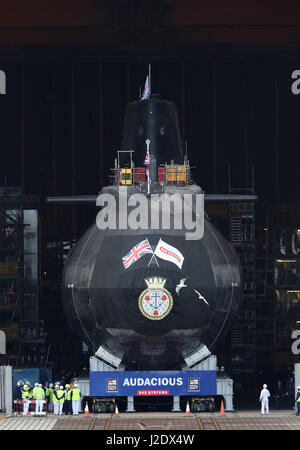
58,397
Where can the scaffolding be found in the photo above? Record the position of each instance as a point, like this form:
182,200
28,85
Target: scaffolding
242,237
19,278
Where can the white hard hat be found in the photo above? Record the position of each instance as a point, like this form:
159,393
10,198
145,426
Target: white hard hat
75,385
51,385
40,385
36,384
57,385
61,387
264,386
67,385
298,387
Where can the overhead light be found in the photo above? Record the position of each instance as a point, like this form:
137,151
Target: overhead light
286,260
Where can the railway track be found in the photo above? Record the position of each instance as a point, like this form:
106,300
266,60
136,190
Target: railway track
169,423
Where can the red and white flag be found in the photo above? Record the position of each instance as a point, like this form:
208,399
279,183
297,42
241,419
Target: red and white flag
170,253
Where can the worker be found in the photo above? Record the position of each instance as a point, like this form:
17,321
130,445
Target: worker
47,391
279,394
264,399
61,395
297,400
50,403
56,399
19,389
39,396
26,398
290,392
75,399
68,400
36,385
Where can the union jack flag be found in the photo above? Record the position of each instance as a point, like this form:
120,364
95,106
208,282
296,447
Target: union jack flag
139,250
148,175
147,159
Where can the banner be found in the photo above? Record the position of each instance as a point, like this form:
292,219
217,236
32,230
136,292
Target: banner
144,383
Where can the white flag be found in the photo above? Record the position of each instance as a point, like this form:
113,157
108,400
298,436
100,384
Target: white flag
170,253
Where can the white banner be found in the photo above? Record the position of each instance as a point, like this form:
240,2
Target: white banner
170,253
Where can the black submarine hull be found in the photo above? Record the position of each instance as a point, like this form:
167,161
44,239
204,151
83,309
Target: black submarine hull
154,312
102,299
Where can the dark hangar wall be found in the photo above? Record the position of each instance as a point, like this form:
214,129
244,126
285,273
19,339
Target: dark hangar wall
72,66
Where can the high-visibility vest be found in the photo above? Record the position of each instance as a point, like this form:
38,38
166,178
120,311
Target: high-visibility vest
51,394
298,399
76,394
34,390
39,393
25,393
55,393
68,394
61,395
47,391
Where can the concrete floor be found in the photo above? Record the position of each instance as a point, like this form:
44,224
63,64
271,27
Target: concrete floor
238,420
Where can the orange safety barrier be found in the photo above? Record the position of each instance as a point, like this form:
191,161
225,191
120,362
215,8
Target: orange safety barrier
19,407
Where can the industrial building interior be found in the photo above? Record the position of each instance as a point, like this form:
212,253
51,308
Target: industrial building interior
70,72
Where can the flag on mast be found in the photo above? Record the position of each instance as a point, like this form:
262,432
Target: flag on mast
139,250
147,159
147,164
169,253
146,91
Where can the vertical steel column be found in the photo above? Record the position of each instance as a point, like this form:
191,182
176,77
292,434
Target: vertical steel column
128,81
100,78
53,129
53,135
214,123
182,96
276,132
245,128
73,150
22,131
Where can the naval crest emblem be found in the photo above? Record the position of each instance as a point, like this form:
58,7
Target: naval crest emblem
155,302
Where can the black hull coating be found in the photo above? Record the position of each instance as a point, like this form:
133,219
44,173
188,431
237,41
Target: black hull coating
101,296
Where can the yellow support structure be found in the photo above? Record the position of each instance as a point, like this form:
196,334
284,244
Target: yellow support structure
176,174
126,176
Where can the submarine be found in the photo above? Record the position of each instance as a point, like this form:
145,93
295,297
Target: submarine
141,294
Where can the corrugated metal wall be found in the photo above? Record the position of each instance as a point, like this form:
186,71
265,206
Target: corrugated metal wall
62,118
6,389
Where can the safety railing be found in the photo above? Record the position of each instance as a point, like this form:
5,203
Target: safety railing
30,407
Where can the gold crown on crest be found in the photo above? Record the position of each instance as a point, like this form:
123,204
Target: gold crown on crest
155,282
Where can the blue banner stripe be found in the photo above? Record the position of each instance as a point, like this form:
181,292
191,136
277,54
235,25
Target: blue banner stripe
140,383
